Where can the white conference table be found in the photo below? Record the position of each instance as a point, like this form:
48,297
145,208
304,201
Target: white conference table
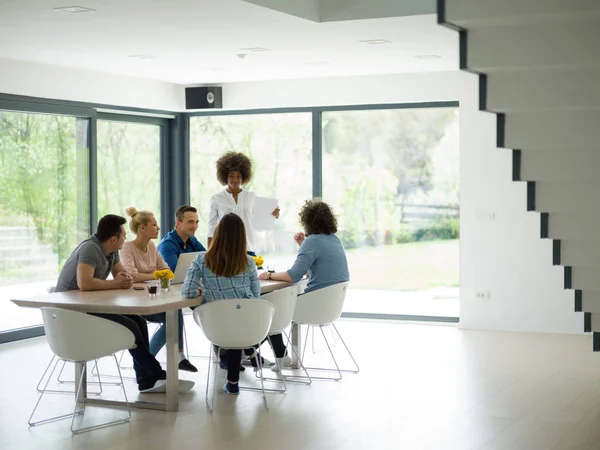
130,301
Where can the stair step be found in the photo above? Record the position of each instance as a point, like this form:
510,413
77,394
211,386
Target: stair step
576,130
532,47
559,165
543,90
567,197
580,255
588,280
574,226
470,13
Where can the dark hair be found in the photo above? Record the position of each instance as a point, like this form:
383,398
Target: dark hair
226,255
182,210
316,217
234,162
109,226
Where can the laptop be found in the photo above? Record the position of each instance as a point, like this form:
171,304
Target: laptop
183,264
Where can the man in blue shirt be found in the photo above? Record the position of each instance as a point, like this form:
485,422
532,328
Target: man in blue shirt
181,239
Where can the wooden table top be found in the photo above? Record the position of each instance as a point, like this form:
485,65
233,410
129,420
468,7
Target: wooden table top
123,301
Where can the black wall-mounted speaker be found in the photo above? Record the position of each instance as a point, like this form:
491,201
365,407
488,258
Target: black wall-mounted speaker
204,97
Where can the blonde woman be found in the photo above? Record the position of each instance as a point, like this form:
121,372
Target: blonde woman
141,258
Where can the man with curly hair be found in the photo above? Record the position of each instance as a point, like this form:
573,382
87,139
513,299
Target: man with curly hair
233,170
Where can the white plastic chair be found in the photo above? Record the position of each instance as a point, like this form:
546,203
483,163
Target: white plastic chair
79,338
322,308
39,388
234,324
284,301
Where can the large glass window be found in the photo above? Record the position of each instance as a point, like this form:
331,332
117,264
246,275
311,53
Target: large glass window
44,205
128,167
280,147
392,177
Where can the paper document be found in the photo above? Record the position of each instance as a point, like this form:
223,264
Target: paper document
262,216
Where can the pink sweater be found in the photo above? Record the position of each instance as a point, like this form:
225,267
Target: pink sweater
137,261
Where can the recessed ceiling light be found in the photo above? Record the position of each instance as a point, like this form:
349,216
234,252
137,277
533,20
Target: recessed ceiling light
318,63
74,9
255,49
374,41
427,56
142,56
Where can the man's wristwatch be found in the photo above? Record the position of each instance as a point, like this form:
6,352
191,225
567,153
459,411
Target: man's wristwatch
270,273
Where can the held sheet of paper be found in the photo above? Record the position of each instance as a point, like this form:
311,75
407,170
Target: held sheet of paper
262,216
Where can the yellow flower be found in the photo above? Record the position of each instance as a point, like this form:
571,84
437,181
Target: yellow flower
165,273
259,260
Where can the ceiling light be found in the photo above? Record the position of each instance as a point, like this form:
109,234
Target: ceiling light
255,49
427,56
374,41
74,9
142,56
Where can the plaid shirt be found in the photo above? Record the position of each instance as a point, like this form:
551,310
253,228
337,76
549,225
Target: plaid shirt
242,285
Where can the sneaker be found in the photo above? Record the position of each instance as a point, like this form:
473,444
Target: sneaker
284,362
264,362
187,366
160,387
232,388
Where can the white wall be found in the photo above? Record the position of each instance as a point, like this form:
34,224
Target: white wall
40,80
505,255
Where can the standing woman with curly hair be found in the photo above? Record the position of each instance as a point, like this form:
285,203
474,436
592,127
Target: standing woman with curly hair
233,170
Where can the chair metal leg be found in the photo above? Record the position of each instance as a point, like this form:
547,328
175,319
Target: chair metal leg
78,399
281,378
337,369
210,405
103,425
60,391
52,419
262,384
294,378
348,350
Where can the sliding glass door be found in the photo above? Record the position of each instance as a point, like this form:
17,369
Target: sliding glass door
129,155
392,178
280,147
44,205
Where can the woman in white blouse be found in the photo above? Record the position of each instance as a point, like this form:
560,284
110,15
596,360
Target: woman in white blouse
141,258
233,170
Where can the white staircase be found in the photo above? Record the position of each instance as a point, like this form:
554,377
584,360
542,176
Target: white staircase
539,70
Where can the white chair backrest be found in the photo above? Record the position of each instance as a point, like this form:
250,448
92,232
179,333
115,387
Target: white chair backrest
235,323
284,301
76,336
321,307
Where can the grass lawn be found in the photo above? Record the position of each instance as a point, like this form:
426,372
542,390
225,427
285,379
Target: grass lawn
410,267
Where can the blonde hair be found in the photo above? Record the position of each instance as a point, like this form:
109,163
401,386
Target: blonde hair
138,218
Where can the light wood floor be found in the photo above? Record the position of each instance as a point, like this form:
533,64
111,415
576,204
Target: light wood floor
420,387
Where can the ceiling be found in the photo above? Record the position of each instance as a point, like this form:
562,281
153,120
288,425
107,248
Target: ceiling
206,41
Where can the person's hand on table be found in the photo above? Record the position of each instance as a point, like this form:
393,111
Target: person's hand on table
125,280
265,276
276,212
299,238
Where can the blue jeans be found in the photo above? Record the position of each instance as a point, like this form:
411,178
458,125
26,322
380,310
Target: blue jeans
159,339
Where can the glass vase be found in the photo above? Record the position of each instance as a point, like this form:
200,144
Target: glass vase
165,284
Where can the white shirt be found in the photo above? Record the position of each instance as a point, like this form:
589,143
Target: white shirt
223,203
